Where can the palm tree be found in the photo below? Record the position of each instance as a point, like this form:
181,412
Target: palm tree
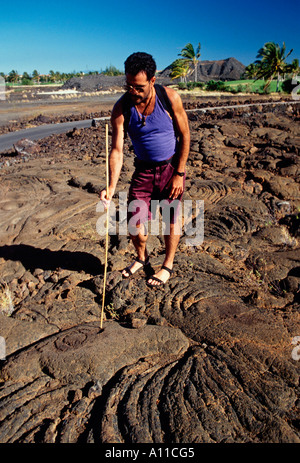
180,70
190,56
57,76
13,76
35,76
272,62
51,75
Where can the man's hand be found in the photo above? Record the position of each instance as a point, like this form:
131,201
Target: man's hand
106,196
176,186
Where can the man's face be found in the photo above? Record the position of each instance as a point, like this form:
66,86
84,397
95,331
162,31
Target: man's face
139,87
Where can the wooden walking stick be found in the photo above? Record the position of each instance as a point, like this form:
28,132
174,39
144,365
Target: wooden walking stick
107,220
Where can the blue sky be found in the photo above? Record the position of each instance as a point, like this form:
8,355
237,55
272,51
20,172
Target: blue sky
74,35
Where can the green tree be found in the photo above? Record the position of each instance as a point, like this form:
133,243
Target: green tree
13,76
191,56
26,79
64,77
26,75
271,62
180,69
35,76
52,75
251,70
293,68
57,76
111,71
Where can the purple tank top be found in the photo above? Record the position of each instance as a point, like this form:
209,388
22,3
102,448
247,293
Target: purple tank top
155,141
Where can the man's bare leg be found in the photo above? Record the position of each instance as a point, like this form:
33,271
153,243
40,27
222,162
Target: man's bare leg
139,241
171,243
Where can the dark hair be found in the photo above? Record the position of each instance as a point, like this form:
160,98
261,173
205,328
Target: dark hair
138,62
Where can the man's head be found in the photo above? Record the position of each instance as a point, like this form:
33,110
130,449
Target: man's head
140,71
140,62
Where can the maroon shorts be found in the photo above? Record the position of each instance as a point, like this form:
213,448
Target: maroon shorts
149,190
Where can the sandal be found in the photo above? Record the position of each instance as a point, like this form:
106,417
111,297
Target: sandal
144,263
161,282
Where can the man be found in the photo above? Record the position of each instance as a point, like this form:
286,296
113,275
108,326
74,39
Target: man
160,157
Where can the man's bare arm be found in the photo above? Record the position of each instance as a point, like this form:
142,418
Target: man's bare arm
116,152
181,120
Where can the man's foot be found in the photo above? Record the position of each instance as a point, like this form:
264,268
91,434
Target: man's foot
161,277
135,266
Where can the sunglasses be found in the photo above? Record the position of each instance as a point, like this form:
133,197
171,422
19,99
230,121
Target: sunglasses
136,88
